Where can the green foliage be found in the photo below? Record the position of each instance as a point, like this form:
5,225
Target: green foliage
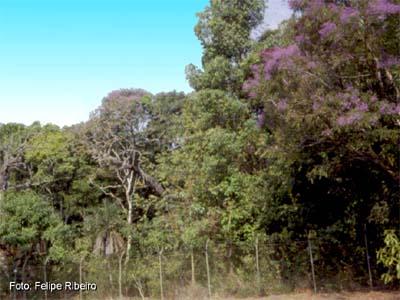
290,134
224,30
389,256
26,220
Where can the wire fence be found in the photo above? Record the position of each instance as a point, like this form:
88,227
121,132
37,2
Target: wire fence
196,273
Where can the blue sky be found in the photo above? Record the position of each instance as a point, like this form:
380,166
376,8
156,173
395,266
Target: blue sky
59,58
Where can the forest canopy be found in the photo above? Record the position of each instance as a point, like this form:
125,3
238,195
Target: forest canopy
288,145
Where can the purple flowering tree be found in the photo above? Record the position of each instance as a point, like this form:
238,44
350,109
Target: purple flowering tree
338,79
330,99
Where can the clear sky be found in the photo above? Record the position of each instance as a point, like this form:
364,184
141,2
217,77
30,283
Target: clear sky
59,58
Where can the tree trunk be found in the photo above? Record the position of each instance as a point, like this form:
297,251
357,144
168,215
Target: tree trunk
129,191
139,286
129,241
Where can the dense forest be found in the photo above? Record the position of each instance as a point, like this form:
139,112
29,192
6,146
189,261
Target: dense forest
279,172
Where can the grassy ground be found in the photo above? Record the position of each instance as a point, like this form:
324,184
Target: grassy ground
305,296
301,296
334,296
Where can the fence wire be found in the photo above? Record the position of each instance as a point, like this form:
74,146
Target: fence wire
202,272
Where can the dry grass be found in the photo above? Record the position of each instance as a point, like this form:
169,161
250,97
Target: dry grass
330,296
199,293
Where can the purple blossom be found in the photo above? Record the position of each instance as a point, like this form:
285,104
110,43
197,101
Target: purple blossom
278,58
346,105
316,105
347,13
342,121
362,107
384,109
326,29
300,38
314,6
383,7
255,69
349,119
252,94
350,99
333,7
396,109
296,4
311,65
389,109
388,62
274,59
354,98
282,105
250,85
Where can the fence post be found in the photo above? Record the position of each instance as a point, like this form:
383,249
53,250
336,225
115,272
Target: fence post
161,273
80,276
258,267
24,274
312,263
15,270
367,254
45,275
193,267
208,270
120,274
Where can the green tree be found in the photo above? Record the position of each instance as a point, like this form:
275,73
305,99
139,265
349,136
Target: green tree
389,256
117,139
26,221
224,30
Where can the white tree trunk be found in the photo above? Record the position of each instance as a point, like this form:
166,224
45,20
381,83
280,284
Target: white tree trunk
129,191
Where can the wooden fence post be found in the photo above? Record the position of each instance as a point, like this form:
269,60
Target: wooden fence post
15,270
367,255
312,263
80,276
193,267
258,267
120,274
161,273
45,275
208,270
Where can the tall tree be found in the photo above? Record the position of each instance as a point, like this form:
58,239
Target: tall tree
117,140
330,99
13,141
224,30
